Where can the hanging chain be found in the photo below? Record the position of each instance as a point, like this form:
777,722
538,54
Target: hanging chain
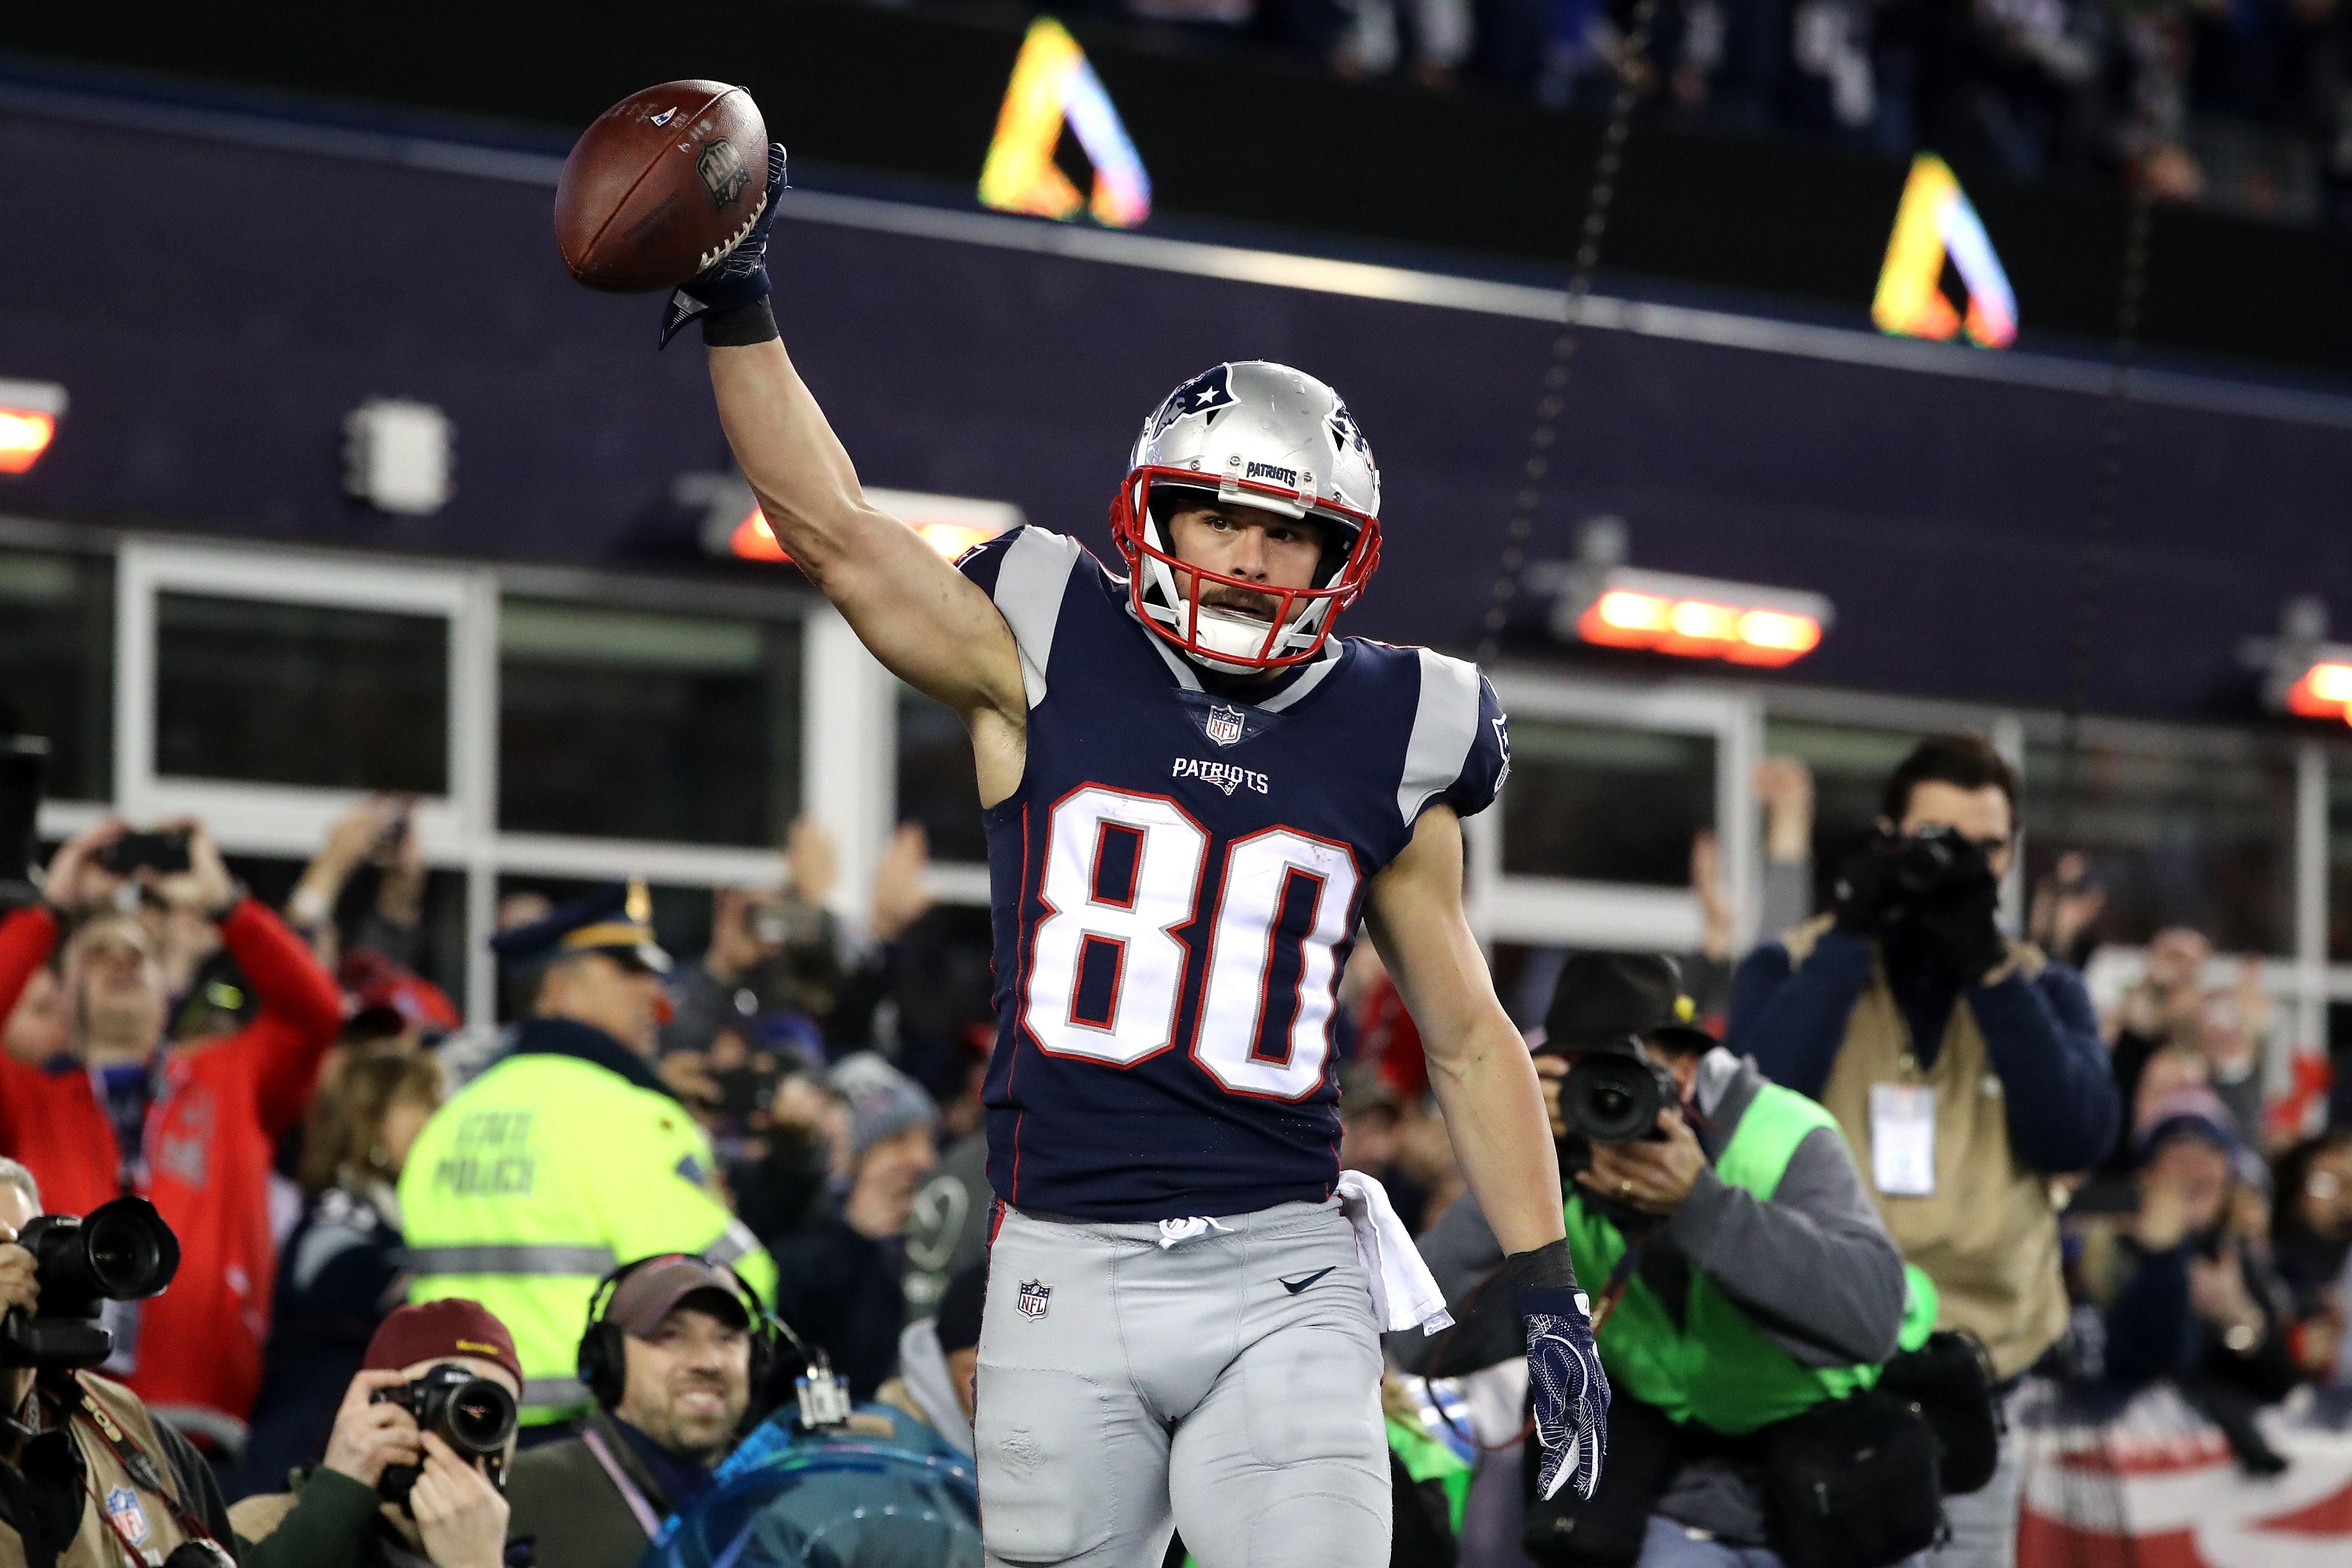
2106,498
1596,205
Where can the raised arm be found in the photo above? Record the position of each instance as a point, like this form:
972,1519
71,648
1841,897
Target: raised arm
930,624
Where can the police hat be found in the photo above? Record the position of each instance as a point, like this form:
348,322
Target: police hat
1603,999
616,921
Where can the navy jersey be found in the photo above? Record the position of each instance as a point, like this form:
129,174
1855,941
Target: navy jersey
1175,888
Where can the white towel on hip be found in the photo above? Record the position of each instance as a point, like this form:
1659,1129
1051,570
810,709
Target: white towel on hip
1403,1292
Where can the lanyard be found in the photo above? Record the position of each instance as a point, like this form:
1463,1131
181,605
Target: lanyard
620,1478
143,1472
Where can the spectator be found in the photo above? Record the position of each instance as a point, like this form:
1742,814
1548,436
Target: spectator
840,1267
38,1029
937,1358
2183,1286
340,1274
2311,1238
55,1468
882,1489
192,1130
920,996
451,1513
947,1233
1965,1068
379,833
770,951
569,1155
669,1361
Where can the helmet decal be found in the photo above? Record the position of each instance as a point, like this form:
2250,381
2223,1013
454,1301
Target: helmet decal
1206,392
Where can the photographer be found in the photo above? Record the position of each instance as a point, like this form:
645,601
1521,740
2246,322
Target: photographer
1963,1069
193,1129
413,1476
670,1359
86,1474
1748,1283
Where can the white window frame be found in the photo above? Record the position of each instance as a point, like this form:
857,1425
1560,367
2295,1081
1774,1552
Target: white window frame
1562,912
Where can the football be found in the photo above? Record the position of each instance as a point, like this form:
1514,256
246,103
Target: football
662,185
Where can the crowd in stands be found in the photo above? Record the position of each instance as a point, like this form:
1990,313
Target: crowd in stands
2244,102
2151,1210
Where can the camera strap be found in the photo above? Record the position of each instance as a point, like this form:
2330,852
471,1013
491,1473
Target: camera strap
142,1470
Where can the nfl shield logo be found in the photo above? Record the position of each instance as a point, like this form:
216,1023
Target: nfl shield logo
1032,1301
1223,724
122,1508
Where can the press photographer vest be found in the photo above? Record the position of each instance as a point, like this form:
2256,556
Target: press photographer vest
142,1515
1715,1367
1988,1234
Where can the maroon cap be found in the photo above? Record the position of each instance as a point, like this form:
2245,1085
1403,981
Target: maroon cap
452,1326
659,1285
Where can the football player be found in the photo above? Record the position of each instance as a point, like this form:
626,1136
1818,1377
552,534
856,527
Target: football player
1193,793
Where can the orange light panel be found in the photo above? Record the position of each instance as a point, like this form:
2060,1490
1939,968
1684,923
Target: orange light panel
24,436
754,541
2324,692
1699,629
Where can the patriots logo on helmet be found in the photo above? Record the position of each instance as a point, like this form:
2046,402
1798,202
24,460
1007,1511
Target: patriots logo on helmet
1346,432
1202,393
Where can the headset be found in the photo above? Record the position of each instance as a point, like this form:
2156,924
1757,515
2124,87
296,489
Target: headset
603,1363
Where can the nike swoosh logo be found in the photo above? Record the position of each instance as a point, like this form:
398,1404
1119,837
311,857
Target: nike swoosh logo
1295,1286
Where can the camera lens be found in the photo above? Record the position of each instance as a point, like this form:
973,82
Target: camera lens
1611,1098
1924,863
481,1415
126,1257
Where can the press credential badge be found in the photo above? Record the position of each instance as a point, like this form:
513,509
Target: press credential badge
1903,1139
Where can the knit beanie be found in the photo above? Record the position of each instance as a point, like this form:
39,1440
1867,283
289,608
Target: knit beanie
883,1102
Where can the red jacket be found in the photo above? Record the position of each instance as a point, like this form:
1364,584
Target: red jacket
210,1136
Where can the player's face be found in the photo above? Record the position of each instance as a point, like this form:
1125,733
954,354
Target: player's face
1248,543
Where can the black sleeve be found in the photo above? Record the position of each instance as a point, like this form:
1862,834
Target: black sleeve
197,1489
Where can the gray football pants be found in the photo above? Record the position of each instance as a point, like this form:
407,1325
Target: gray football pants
1227,1387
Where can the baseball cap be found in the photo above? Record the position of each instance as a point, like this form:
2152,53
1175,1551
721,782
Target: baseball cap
658,1286
429,1331
394,996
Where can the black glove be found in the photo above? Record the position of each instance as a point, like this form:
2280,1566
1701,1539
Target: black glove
740,276
1956,923
1865,885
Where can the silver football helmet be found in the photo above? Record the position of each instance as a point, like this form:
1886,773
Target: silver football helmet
1257,434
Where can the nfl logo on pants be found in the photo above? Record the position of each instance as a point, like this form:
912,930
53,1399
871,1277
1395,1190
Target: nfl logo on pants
1031,1299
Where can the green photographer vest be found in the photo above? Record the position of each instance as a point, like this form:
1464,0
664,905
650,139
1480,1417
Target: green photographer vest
1717,1368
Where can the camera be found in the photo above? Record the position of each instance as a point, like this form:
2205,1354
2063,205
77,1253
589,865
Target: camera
1613,1094
473,1414
121,1251
166,852
1935,858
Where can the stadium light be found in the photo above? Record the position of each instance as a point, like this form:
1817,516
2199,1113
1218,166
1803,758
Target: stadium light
1690,617
948,524
2303,673
29,411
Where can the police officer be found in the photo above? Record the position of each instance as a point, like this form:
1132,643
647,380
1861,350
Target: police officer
569,1156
